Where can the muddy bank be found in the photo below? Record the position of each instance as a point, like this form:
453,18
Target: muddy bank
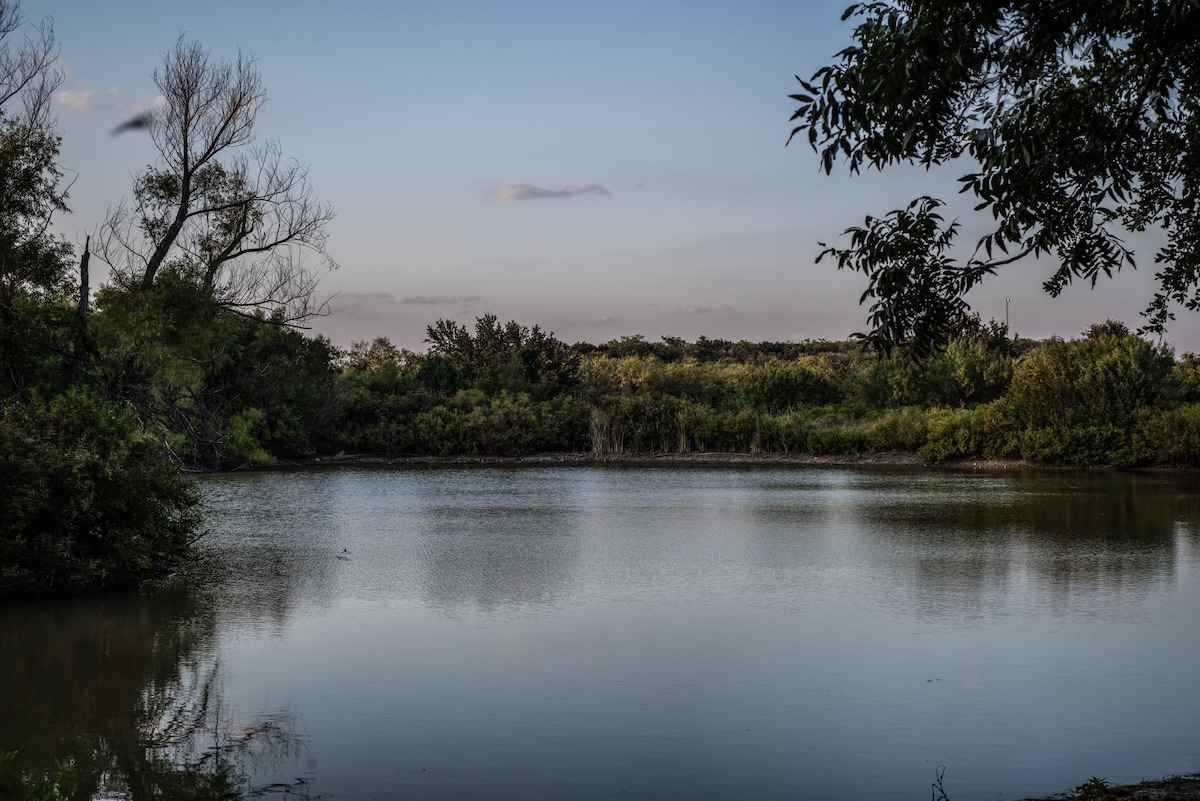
635,460
1174,788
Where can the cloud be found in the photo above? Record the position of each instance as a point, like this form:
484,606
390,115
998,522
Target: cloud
141,108
531,192
703,309
436,300
84,99
358,303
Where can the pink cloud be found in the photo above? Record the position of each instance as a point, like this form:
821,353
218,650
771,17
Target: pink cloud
531,192
84,99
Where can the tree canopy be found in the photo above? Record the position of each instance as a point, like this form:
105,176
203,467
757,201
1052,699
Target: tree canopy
33,262
1075,122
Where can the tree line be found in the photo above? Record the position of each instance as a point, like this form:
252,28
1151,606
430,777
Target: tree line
213,389
1107,397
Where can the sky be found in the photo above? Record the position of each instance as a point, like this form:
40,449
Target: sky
598,169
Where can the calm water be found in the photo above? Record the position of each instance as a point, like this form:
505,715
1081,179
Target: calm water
581,633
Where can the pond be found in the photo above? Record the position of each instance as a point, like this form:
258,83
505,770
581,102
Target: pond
651,633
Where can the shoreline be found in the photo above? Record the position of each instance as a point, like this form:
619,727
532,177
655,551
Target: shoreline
1181,787
694,459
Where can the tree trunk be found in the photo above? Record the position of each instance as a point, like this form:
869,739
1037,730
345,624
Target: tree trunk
81,334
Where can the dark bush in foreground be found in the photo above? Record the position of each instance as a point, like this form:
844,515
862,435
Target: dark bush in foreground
89,500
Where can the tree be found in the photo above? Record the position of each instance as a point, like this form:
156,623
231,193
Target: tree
1080,124
219,388
89,500
504,356
27,71
34,269
219,208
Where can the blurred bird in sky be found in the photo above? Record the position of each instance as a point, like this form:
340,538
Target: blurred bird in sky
139,123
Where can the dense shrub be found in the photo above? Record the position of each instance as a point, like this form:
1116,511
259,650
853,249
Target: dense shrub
221,387
842,441
1077,401
903,430
779,386
89,500
983,432
978,369
1168,436
1088,381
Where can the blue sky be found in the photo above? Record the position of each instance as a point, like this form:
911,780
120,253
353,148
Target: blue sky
600,169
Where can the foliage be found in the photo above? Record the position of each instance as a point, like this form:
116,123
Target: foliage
1094,789
222,388
1082,381
1076,123
903,430
1079,401
915,284
970,369
510,357
89,500
982,432
40,345
1167,436
57,784
34,269
508,424
516,402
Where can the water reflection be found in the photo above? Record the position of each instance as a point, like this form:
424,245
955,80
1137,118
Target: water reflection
481,538
273,543
580,632
964,545
127,690
513,563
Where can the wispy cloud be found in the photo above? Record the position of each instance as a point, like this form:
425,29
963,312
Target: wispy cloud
531,192
383,305
141,108
703,309
358,300
84,99
436,300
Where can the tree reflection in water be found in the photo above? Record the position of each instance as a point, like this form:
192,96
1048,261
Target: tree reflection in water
127,690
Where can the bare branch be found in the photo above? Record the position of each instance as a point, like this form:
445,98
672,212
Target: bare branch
27,70
232,212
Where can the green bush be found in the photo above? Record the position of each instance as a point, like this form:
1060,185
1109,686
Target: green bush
839,441
1078,402
903,430
642,423
778,387
1085,382
202,375
979,369
90,499
1169,437
1081,445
